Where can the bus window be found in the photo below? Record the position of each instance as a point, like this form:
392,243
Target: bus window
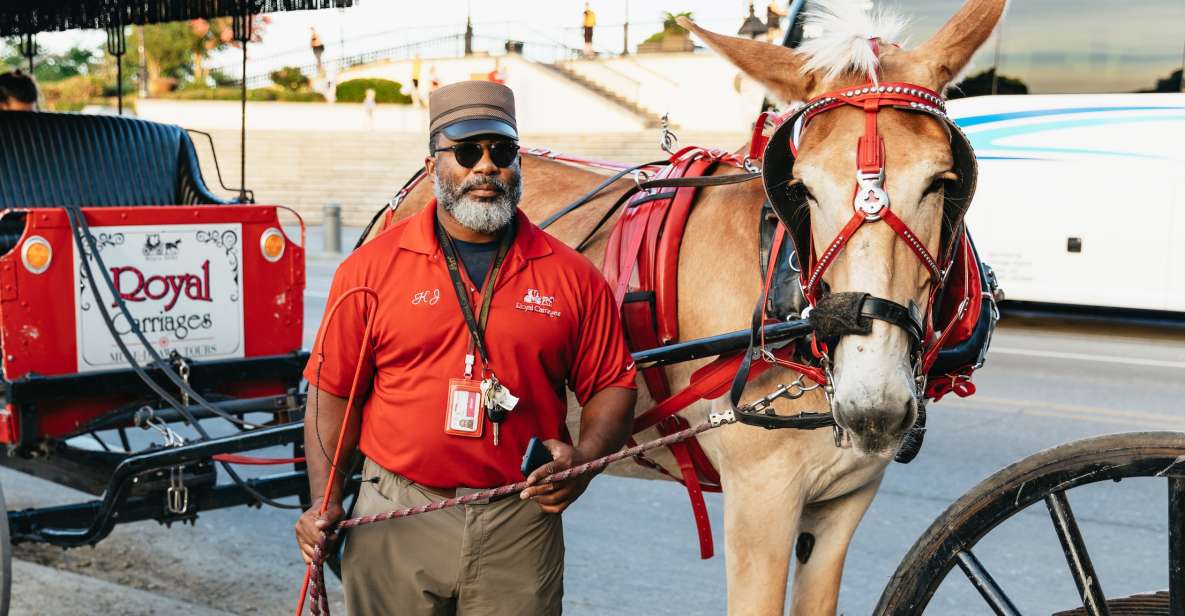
1088,46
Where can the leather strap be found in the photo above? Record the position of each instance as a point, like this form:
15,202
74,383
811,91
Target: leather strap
891,312
476,325
592,194
699,509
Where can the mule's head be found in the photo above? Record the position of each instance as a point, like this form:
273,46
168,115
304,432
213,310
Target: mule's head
875,393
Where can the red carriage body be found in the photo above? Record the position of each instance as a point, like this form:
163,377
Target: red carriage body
196,277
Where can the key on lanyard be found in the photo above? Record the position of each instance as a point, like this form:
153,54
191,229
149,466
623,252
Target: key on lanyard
498,402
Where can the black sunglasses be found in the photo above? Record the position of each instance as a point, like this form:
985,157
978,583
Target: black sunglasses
469,153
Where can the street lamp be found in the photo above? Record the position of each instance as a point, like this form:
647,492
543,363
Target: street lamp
752,27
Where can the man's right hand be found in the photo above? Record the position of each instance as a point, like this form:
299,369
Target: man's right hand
312,523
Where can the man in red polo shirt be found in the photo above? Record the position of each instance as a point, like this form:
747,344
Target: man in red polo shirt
483,320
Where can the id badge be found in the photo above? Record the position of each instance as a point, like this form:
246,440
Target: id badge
464,412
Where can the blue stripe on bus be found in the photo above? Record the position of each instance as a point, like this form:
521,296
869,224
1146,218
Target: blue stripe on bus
988,139
1036,113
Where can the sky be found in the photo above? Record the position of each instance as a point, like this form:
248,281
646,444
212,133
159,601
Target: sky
1043,42
559,19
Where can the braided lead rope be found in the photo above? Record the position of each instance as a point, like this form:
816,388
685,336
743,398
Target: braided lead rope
319,606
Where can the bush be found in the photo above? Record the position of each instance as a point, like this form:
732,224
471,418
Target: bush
290,78
385,91
70,94
256,94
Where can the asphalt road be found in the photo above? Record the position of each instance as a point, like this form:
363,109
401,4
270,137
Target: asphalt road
631,544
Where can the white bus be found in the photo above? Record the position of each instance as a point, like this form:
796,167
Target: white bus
1076,112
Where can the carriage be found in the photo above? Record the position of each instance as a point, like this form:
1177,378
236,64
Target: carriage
135,302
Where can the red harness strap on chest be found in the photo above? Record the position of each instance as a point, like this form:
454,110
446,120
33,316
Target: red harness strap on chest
641,264
642,261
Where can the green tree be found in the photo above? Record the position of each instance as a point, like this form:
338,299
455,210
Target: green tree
177,50
50,67
670,26
290,78
980,84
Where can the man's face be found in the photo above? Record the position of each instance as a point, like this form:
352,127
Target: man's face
12,104
482,198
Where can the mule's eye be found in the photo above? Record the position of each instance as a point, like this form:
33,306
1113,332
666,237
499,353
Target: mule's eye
797,191
945,180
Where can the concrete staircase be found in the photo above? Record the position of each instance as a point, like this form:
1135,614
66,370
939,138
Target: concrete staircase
650,118
362,170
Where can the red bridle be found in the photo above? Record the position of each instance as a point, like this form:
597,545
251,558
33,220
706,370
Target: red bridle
870,200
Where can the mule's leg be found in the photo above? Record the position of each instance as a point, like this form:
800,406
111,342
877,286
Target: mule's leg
832,524
760,523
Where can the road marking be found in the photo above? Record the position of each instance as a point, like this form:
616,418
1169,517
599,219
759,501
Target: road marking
1070,411
1102,359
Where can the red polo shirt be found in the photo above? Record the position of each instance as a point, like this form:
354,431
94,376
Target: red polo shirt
553,325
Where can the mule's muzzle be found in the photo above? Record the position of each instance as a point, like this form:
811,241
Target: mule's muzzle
879,429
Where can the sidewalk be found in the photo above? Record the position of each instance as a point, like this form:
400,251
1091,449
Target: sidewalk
315,243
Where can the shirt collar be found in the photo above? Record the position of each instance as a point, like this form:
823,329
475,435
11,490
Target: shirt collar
420,236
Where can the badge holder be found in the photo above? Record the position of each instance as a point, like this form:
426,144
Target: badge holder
464,414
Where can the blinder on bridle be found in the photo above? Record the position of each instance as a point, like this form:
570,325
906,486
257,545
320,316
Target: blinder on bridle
848,313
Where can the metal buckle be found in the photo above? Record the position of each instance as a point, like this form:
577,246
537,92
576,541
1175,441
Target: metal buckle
721,418
177,496
667,140
871,198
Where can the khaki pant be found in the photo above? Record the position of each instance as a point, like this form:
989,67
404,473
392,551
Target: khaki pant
504,557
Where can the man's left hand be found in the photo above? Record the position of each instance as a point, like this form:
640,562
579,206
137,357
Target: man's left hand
555,497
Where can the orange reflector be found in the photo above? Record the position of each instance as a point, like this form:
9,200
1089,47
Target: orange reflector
272,244
36,254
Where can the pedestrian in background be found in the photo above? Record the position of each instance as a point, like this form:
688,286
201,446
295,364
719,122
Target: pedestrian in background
18,92
497,75
368,103
433,79
318,49
590,22
773,21
417,66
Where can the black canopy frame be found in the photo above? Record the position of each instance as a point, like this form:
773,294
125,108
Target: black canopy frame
29,17
20,17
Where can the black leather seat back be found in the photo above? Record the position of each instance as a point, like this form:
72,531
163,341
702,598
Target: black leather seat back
60,159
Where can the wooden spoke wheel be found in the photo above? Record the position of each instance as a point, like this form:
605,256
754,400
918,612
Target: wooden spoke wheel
1046,477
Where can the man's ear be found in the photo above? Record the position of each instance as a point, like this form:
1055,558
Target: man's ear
430,167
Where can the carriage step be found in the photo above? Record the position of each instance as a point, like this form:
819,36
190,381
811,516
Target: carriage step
1155,604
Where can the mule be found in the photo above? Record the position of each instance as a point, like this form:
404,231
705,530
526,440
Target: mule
781,484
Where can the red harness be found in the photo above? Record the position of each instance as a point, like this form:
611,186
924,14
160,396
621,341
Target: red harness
641,264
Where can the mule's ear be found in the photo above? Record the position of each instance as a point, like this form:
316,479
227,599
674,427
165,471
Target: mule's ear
951,48
777,68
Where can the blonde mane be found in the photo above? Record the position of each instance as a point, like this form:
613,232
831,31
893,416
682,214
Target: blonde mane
841,31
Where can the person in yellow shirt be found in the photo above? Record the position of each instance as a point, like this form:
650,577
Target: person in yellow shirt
590,21
416,68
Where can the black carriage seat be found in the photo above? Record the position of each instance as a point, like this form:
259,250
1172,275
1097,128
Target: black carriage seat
59,159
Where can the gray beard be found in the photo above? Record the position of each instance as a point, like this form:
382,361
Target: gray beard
482,216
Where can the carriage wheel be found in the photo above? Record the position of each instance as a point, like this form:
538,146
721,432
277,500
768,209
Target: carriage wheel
1046,477
5,558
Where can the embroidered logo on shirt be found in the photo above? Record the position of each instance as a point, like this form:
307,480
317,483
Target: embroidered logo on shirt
427,296
533,297
534,301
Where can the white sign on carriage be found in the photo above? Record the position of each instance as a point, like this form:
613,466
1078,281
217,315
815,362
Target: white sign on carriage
182,285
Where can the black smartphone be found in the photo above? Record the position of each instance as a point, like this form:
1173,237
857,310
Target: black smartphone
536,455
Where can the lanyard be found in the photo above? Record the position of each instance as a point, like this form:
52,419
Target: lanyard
476,324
